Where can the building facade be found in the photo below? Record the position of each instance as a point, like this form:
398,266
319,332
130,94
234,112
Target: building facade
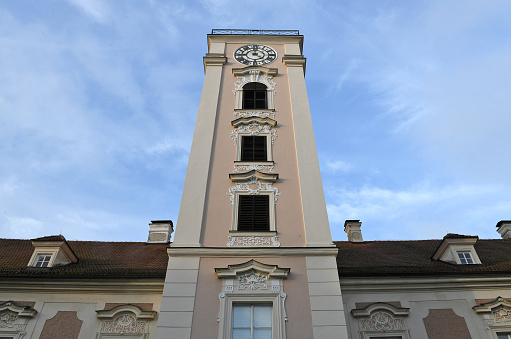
252,256
253,231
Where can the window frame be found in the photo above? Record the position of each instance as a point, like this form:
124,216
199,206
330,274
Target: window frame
253,218
271,209
252,318
46,258
277,332
253,92
467,255
239,143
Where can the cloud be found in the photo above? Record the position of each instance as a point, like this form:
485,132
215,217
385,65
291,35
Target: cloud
339,166
96,9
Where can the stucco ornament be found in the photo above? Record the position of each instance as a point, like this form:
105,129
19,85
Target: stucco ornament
248,187
248,168
253,241
7,319
501,315
382,321
253,128
260,114
124,323
255,76
252,281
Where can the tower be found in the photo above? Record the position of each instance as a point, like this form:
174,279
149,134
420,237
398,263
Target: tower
252,253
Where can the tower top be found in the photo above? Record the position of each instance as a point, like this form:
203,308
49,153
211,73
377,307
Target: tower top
254,32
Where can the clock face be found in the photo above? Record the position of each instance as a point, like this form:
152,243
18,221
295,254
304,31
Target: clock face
255,55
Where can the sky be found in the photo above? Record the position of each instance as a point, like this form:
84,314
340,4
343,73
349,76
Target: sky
410,103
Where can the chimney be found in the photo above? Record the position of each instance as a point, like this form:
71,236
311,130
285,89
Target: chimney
160,231
352,228
504,228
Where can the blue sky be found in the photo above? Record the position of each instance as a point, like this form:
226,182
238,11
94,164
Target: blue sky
410,103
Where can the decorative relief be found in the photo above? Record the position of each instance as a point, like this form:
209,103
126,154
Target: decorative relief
253,241
501,315
7,319
247,168
261,187
124,323
253,128
252,281
254,114
382,321
255,76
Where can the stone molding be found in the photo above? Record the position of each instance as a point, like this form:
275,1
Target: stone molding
254,113
213,252
254,128
253,176
245,187
253,241
125,319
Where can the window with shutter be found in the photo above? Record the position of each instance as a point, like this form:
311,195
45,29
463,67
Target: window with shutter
253,213
253,148
254,96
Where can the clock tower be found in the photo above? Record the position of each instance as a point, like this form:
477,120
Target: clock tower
252,255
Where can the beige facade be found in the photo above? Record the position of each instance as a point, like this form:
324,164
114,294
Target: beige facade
307,302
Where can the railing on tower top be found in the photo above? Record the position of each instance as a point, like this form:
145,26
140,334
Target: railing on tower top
255,32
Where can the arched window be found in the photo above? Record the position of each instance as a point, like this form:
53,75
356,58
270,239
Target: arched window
254,96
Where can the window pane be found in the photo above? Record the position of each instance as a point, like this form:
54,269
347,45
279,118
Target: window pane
262,333
241,316
504,335
262,316
241,333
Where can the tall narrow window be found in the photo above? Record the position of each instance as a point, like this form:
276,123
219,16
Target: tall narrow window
253,148
251,322
254,96
254,213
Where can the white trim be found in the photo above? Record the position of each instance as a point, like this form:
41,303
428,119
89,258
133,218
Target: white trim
252,283
254,128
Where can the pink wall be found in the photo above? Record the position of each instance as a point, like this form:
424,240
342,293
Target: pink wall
218,211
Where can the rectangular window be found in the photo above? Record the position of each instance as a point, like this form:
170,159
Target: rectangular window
465,258
43,260
254,213
506,335
253,148
251,322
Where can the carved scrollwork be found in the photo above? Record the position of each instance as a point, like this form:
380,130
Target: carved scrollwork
246,188
247,114
247,168
253,241
252,281
253,128
124,323
255,76
382,321
7,319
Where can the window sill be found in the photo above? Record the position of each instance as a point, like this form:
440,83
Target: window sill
253,234
260,163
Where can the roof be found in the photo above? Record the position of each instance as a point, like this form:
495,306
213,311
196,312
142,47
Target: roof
413,257
50,238
96,260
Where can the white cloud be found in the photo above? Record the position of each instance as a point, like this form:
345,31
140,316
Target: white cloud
339,166
97,9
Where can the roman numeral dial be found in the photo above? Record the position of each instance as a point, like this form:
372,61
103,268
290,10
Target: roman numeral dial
255,55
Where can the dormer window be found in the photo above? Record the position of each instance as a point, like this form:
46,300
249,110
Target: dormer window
42,260
465,258
457,249
51,251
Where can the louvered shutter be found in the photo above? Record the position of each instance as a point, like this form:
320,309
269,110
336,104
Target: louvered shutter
253,148
253,213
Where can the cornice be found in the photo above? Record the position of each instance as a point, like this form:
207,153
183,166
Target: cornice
251,252
253,175
118,286
295,61
246,70
214,59
423,283
248,120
